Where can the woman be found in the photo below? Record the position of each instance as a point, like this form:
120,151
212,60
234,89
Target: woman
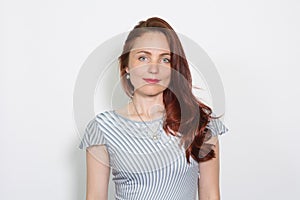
162,144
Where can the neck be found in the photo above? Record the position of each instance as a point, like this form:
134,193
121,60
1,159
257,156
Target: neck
147,107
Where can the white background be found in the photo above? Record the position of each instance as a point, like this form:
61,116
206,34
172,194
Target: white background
254,45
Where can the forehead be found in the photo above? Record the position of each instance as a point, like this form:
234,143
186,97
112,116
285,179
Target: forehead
151,41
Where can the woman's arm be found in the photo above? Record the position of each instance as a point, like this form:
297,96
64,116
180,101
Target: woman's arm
98,171
208,185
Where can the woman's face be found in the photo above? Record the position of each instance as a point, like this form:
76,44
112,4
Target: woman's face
149,64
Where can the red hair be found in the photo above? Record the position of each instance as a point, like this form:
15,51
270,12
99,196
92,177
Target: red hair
178,97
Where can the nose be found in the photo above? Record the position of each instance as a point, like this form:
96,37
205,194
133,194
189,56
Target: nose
153,67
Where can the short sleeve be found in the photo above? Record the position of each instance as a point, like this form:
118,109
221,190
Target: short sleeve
217,127
93,135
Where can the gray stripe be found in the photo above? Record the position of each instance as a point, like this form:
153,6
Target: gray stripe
143,169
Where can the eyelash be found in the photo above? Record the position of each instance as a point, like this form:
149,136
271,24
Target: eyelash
141,57
168,60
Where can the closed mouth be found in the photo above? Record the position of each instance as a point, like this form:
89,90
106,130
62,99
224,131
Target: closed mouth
150,80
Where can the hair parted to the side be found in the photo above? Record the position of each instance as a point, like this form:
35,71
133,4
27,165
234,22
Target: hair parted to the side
178,97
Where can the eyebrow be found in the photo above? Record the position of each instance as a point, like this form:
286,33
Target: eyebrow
149,53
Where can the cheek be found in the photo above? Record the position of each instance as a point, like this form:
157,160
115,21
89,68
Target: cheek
166,78
166,72
136,75
137,72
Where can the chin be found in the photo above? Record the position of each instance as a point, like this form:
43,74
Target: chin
149,92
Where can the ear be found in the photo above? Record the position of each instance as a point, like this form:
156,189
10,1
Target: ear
127,69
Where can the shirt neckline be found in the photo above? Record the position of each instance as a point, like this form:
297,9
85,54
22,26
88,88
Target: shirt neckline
135,121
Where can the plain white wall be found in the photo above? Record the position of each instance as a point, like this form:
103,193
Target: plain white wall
254,45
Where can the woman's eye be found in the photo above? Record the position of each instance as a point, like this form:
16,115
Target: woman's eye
166,60
142,58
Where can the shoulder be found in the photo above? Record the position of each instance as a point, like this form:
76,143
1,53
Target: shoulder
104,116
94,133
106,119
217,126
100,119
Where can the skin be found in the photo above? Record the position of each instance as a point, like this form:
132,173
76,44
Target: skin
149,58
98,171
208,182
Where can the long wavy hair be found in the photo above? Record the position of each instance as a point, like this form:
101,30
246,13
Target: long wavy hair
185,114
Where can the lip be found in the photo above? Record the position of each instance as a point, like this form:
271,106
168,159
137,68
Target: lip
150,80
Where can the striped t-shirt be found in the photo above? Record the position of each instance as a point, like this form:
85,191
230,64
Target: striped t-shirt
146,163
